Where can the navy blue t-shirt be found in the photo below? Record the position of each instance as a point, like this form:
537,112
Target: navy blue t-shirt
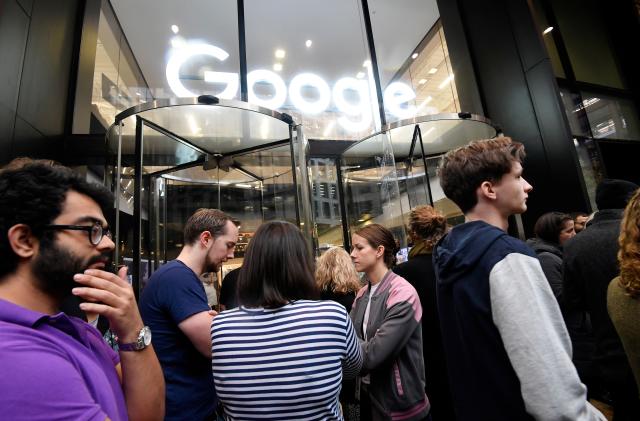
173,294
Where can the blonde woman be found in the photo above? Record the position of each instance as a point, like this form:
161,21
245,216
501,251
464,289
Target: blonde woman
623,298
337,278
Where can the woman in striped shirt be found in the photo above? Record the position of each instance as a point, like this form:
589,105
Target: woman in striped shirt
281,355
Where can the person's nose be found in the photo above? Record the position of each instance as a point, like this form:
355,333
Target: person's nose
231,253
106,244
527,187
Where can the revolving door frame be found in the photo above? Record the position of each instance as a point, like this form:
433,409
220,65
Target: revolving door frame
297,142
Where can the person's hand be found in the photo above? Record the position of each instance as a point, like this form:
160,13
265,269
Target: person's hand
213,313
111,296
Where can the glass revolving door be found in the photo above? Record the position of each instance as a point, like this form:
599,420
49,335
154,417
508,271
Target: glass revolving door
387,174
171,158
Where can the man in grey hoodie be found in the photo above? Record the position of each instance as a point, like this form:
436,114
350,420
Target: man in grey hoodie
508,350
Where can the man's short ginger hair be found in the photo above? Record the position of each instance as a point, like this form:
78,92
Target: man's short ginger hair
464,169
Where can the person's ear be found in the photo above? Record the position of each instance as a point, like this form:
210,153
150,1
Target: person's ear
205,238
487,191
380,251
22,241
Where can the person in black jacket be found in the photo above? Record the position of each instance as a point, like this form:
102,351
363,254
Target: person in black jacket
426,227
552,230
590,262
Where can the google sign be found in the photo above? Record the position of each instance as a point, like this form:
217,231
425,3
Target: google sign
356,116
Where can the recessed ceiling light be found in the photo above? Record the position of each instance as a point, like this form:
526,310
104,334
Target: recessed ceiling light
422,81
414,56
280,53
175,29
308,43
138,93
546,31
433,70
277,67
366,63
360,75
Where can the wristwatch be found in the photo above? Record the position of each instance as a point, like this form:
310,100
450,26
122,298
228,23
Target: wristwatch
143,341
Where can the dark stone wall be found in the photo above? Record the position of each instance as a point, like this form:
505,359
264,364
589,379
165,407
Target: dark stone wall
37,48
498,42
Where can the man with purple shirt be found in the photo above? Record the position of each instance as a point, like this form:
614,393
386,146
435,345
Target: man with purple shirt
54,241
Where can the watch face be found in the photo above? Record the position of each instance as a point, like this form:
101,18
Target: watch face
147,336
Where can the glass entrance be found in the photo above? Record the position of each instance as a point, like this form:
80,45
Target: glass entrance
170,159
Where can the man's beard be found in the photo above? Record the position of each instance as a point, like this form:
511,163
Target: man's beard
54,269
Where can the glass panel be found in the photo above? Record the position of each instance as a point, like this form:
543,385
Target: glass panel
326,202
574,108
309,60
216,129
587,42
547,37
611,117
413,59
184,49
443,204
591,166
117,81
371,186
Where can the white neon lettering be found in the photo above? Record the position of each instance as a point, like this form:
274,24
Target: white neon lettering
280,95
363,108
309,107
396,95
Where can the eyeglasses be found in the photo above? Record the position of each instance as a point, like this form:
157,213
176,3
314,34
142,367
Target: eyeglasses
96,232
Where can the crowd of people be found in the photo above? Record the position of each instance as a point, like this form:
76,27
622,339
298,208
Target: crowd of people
476,325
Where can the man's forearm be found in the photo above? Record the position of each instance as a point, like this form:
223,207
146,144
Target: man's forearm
143,384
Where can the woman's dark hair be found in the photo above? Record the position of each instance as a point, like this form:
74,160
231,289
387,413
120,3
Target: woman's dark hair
277,268
549,225
377,235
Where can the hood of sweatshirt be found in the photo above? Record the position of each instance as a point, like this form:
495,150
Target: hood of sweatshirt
540,246
460,251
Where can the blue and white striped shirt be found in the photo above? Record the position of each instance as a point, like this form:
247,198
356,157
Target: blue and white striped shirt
284,363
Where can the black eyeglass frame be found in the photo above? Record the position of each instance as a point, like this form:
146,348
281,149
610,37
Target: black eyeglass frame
88,228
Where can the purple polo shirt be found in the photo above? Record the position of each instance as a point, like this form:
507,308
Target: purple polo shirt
56,368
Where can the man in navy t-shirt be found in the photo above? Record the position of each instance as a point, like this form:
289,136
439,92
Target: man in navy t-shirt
174,305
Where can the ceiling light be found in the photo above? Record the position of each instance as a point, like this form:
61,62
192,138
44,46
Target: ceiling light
138,93
175,29
446,81
177,42
277,67
280,53
433,70
546,31
414,56
360,75
308,43
422,81
366,63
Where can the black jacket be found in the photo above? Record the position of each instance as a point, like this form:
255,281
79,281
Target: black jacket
550,256
418,271
590,263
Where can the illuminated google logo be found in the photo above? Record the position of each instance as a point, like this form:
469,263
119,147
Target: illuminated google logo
355,117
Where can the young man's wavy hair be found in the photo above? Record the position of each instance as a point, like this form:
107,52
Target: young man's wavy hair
464,169
629,253
335,272
32,192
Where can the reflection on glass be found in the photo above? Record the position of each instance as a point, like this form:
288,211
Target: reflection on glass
546,30
117,80
586,40
414,58
326,202
611,117
574,108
